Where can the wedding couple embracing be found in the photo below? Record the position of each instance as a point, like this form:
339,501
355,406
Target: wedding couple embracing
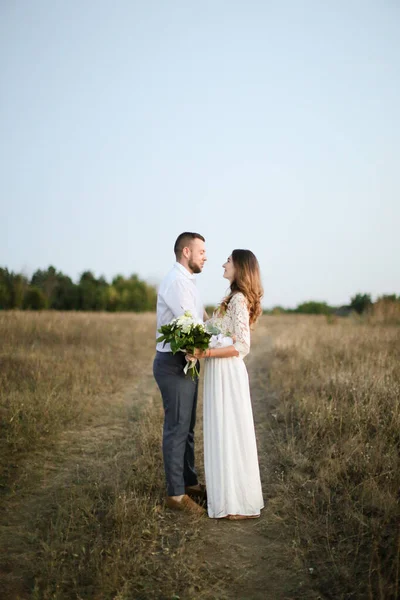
233,487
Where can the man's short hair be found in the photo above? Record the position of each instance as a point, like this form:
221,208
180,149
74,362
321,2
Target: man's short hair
184,240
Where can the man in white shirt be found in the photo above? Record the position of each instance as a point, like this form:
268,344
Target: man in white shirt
178,293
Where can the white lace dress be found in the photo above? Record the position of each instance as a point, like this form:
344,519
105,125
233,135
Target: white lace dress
230,450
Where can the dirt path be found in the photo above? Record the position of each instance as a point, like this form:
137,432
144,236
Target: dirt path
254,558
244,560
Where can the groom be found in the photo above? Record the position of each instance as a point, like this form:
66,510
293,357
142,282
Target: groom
178,293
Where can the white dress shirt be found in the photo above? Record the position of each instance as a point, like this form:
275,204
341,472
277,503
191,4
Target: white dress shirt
177,293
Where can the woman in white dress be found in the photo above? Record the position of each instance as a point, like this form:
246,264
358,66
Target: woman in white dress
230,450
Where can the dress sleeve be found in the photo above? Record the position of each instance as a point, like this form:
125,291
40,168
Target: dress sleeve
240,324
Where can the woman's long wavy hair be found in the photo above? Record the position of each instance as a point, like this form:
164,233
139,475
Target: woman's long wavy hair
248,281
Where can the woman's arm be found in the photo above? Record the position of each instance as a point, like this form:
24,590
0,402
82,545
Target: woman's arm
227,352
240,324
219,348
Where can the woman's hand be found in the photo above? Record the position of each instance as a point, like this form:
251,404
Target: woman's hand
197,353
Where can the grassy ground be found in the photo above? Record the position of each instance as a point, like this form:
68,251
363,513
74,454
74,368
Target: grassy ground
337,432
81,494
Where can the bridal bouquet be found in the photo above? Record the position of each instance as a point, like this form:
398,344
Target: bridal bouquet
185,334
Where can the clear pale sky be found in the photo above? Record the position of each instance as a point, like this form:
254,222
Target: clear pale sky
268,125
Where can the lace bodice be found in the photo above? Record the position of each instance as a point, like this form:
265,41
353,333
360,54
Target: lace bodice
235,322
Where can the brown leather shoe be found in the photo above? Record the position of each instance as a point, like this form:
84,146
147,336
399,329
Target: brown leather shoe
185,504
197,492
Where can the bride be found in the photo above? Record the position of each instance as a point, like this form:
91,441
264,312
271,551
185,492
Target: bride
230,450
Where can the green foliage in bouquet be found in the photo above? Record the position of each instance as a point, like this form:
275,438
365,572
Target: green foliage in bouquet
184,334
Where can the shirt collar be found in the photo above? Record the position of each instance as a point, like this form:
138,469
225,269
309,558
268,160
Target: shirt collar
184,271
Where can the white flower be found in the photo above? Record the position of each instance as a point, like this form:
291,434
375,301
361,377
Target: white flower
185,323
186,327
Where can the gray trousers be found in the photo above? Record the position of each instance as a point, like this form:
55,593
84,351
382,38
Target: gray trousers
179,395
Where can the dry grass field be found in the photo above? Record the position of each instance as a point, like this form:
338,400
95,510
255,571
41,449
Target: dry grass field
337,450
81,496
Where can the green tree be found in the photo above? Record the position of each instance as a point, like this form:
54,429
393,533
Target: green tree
92,292
112,298
18,288
52,289
87,291
65,295
5,289
47,281
133,294
360,302
34,299
314,308
60,292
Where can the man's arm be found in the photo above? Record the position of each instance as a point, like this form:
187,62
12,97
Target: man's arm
179,298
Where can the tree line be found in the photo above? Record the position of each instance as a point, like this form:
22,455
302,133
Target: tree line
52,289
360,303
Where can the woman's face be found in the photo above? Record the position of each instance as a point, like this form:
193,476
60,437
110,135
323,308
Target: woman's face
229,270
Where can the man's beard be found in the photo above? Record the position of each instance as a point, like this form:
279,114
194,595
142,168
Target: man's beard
194,267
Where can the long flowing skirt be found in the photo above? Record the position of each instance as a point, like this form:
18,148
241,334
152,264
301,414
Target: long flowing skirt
230,450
